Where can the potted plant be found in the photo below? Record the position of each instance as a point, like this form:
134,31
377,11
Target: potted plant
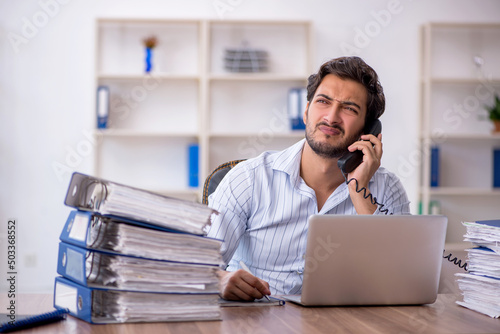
494,113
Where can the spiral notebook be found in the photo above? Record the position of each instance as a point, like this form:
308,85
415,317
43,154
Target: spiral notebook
7,324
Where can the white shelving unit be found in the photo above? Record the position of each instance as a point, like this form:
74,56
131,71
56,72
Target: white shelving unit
190,98
460,75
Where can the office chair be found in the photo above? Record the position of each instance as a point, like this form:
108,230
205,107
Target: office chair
215,177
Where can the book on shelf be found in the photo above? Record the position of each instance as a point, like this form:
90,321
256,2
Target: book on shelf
98,269
297,103
193,165
434,166
481,285
100,306
88,193
496,168
102,106
120,235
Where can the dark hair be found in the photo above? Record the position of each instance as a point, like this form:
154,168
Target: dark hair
353,68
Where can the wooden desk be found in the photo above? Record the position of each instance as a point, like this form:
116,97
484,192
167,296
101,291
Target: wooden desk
444,316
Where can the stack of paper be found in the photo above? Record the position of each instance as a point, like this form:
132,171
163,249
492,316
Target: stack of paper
481,285
135,256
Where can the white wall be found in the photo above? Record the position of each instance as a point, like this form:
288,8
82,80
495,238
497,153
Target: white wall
47,93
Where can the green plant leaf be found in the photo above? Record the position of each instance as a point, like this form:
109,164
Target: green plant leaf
494,111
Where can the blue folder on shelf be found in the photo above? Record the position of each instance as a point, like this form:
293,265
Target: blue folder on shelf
297,102
193,165
496,168
434,166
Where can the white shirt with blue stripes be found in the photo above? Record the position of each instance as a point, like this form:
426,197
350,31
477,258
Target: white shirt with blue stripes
264,205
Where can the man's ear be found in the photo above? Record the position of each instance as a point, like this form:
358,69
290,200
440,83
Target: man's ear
304,117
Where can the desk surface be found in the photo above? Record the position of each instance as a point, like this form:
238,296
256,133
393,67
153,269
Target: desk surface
444,316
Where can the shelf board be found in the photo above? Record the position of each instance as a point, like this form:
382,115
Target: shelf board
463,81
298,134
464,25
466,137
155,76
257,77
148,21
463,191
126,133
258,22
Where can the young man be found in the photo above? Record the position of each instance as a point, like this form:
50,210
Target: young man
264,202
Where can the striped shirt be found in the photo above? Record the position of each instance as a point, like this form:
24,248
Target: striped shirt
264,205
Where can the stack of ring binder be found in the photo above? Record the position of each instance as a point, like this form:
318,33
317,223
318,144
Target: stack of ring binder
480,286
130,255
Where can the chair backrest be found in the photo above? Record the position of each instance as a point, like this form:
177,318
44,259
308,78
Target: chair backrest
215,177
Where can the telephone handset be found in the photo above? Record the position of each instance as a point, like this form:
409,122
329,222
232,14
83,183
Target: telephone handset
349,161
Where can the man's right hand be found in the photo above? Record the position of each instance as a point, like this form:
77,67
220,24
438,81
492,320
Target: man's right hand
241,285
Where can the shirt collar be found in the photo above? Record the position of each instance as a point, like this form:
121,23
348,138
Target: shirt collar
288,160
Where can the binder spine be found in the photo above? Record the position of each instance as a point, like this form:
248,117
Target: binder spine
297,102
86,193
434,166
71,263
76,228
102,107
193,165
85,229
76,298
496,168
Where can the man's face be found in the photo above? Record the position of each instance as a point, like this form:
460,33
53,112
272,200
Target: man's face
335,116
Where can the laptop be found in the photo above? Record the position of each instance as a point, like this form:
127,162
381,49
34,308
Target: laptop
372,260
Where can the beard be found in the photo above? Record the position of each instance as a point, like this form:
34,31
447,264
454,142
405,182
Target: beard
325,149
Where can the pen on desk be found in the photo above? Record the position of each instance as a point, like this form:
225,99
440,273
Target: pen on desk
245,268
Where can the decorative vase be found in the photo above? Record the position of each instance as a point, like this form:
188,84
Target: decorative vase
149,59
